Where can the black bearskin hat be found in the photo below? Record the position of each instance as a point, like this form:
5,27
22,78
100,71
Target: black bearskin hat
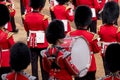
112,57
55,31
83,16
110,12
62,1
37,3
19,56
4,14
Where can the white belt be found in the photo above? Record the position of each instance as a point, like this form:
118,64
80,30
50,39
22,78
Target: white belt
40,36
4,50
104,45
36,31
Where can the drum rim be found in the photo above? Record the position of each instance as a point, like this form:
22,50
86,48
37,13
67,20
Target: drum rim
76,37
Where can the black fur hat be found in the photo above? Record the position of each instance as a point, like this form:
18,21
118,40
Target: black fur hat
55,31
37,3
112,57
62,1
19,57
83,16
4,14
110,12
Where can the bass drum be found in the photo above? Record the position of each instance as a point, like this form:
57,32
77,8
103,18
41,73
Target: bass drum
80,53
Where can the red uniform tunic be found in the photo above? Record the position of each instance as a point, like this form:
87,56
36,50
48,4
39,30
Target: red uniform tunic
108,34
17,76
93,4
26,5
62,12
34,22
6,41
102,2
12,14
93,44
62,59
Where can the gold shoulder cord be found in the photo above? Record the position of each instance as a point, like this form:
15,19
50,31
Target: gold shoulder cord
45,17
9,35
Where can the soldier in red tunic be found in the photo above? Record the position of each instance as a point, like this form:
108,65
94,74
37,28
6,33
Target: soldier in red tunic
11,26
6,40
19,60
35,25
108,31
112,57
102,3
95,7
24,6
63,12
83,17
56,60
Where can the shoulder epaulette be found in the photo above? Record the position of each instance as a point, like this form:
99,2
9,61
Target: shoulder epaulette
45,17
98,29
115,25
96,36
52,8
68,7
23,16
118,29
9,35
68,34
8,4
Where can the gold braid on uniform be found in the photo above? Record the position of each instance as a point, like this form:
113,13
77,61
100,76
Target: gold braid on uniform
118,30
98,29
45,17
23,16
96,36
9,35
68,34
67,7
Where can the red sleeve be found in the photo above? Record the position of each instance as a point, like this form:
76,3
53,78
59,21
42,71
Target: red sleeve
26,27
70,14
45,24
28,8
96,5
102,4
12,13
117,1
11,41
70,66
26,3
77,3
118,36
45,64
25,24
95,46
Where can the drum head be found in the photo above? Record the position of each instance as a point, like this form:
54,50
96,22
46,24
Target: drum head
81,55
